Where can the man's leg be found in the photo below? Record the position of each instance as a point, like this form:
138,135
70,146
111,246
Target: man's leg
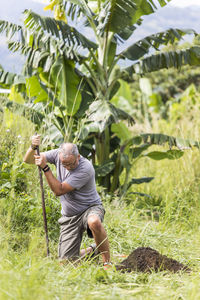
71,231
100,236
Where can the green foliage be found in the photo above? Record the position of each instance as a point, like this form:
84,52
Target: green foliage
170,154
140,48
20,205
7,178
161,92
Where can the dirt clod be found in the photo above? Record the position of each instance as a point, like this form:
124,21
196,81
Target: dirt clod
146,259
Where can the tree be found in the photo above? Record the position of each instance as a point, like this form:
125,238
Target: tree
69,80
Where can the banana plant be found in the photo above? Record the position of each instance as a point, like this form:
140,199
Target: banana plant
70,78
135,148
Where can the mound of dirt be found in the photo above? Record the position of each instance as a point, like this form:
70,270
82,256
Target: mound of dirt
146,259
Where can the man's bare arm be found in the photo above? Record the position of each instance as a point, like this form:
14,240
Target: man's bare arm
29,156
58,188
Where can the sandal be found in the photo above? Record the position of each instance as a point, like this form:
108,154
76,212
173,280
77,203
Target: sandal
95,250
107,266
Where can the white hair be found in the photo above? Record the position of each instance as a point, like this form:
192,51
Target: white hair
68,149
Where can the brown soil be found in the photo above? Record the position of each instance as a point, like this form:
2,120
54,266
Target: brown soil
147,260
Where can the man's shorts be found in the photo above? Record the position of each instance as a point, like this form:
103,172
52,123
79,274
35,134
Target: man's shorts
71,231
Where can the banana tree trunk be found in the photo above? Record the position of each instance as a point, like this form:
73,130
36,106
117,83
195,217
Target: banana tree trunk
115,180
102,145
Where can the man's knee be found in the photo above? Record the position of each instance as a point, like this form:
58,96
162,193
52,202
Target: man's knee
94,223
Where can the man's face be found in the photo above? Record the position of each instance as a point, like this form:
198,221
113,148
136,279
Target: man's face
69,163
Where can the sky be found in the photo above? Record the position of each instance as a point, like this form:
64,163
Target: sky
180,3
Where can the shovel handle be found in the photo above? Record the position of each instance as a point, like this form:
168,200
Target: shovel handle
43,204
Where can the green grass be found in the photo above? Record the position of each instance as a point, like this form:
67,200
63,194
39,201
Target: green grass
29,274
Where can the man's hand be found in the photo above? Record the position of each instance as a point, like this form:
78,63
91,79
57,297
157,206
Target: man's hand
29,156
40,160
35,140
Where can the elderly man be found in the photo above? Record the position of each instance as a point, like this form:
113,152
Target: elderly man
82,208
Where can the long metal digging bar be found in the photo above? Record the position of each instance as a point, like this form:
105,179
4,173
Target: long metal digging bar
43,204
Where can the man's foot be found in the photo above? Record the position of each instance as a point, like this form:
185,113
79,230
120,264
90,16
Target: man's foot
95,251
107,266
91,252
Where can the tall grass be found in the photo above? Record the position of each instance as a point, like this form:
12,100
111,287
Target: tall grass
29,275
168,221
175,191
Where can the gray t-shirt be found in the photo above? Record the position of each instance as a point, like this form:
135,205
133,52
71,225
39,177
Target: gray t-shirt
82,179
